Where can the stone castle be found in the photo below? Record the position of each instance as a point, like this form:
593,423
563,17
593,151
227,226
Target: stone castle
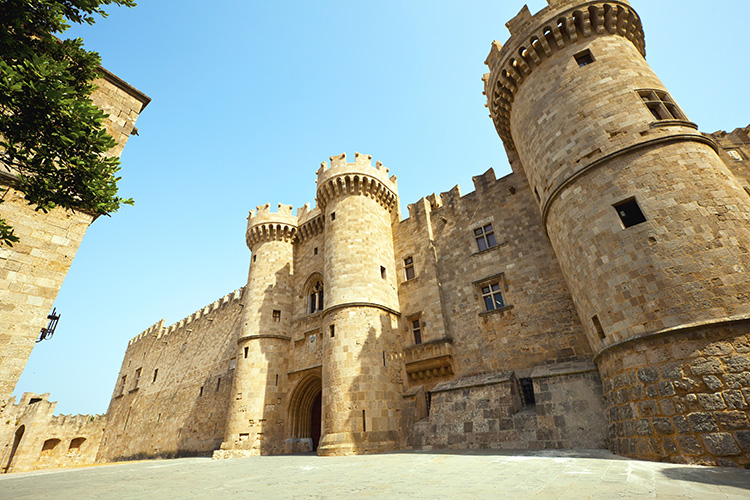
596,297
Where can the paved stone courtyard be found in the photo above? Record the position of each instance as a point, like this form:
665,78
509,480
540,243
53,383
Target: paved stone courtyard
560,475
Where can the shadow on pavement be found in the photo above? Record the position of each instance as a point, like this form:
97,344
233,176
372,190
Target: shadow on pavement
714,476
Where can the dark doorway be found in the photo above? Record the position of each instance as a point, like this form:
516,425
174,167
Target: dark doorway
16,442
315,420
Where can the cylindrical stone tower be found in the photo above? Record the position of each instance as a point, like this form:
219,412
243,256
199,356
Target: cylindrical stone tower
361,386
255,421
650,227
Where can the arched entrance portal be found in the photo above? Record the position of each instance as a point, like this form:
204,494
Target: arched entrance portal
16,442
305,413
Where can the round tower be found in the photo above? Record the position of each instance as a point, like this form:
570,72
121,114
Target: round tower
650,227
254,424
361,386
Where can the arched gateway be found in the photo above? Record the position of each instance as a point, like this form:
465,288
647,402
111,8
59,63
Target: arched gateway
305,413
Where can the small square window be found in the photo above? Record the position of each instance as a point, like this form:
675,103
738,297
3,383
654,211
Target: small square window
492,296
584,58
409,268
485,237
277,316
630,213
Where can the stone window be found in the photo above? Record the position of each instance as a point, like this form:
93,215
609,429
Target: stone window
598,326
382,272
246,350
277,316
315,298
137,378
48,446
485,237
122,384
415,325
75,445
315,251
584,58
332,328
491,291
630,213
254,257
409,268
734,154
156,372
526,386
661,105
232,363
333,216
218,384
200,394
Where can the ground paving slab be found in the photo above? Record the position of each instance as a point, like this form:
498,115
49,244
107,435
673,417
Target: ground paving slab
465,474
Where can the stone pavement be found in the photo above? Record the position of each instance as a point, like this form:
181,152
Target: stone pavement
491,474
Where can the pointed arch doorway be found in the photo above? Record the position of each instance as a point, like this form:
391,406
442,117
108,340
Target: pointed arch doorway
305,412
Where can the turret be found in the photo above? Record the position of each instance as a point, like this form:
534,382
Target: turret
256,415
650,227
361,386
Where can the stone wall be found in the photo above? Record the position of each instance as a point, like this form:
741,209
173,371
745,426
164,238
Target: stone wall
174,387
681,396
32,438
32,270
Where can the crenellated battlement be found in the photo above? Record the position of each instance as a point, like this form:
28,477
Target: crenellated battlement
264,225
158,330
535,38
359,177
311,222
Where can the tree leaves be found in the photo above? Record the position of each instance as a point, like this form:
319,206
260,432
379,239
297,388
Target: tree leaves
51,135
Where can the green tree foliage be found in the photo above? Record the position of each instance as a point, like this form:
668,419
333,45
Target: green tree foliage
51,135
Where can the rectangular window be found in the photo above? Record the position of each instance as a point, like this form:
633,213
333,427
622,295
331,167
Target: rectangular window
416,330
200,394
137,377
122,384
409,268
734,154
527,391
277,315
630,213
492,296
485,237
218,384
315,251
232,363
246,349
382,272
156,372
332,328
598,326
661,105
584,58
333,215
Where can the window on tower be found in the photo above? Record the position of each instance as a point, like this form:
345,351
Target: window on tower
584,58
661,105
409,268
630,213
315,298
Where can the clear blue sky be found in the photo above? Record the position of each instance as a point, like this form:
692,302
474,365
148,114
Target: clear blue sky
249,97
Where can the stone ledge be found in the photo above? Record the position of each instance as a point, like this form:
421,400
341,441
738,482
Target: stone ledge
561,369
474,381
